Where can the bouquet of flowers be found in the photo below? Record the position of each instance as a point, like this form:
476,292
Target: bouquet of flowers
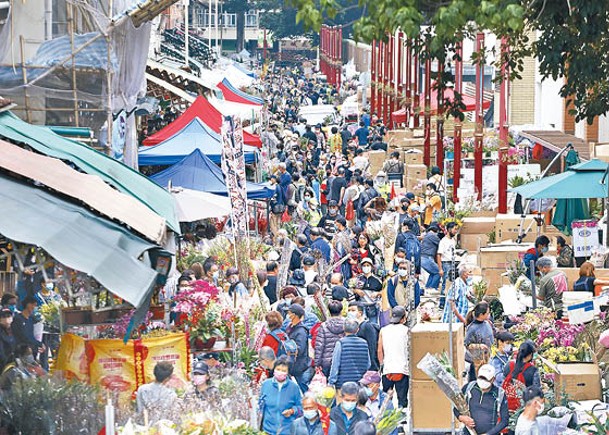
447,383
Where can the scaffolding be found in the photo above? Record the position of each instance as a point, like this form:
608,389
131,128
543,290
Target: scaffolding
84,67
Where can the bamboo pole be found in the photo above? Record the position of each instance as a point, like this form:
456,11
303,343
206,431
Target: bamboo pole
24,73
70,13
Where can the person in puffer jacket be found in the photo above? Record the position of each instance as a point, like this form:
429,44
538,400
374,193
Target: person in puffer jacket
328,335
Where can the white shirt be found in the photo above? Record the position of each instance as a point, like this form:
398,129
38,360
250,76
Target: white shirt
446,248
395,349
525,426
361,162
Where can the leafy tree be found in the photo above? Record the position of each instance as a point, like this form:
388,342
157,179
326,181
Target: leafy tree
573,36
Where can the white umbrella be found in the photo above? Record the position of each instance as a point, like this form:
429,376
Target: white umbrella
193,205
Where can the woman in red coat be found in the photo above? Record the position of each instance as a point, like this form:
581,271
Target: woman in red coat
274,334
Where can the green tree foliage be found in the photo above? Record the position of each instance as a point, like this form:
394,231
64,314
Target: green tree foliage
573,36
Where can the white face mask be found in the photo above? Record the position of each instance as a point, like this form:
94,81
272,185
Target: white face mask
483,384
366,269
402,272
508,348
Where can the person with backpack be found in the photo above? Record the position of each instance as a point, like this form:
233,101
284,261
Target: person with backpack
408,241
364,198
487,404
275,335
330,332
520,374
297,347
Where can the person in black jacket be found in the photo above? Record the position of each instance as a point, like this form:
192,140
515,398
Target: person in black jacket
346,415
301,365
7,340
367,330
23,327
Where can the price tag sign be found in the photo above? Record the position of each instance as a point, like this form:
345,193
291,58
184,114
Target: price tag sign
585,237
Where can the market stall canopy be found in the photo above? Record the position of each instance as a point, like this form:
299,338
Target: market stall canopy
203,110
556,140
194,205
78,239
90,189
229,108
231,93
197,172
118,175
195,135
399,116
579,181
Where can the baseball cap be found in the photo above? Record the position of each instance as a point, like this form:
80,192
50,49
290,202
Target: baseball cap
397,314
370,377
367,260
486,372
332,203
297,309
200,368
505,336
308,260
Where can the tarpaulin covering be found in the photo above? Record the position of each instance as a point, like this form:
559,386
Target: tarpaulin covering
89,189
197,172
231,93
92,162
203,110
399,116
77,238
195,135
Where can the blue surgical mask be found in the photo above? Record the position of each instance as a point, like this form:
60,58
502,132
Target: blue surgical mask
49,286
469,281
349,406
13,308
310,414
368,391
544,249
351,315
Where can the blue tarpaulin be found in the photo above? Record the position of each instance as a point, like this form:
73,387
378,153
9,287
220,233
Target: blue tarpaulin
198,172
194,136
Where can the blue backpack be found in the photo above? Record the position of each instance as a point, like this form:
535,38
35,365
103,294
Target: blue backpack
413,250
287,346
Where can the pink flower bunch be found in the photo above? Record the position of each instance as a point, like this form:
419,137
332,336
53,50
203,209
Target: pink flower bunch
120,326
560,334
197,297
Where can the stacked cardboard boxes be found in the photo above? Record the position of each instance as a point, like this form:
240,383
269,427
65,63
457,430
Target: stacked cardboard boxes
579,381
413,174
376,159
430,407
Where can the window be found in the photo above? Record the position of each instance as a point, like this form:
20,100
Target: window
251,19
229,20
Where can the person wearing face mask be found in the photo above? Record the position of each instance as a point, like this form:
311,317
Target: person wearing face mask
398,290
479,338
280,400
9,301
346,414
534,404
211,272
457,304
286,296
327,221
393,355
21,366
236,286
266,362
7,340
446,251
301,367
23,327
368,289
371,382
536,252
319,243
433,204
311,421
552,285
487,404
202,389
505,350
350,358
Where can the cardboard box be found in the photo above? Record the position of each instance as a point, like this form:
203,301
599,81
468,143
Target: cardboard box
501,256
507,227
432,337
430,409
376,159
418,171
413,157
478,225
494,279
580,381
472,242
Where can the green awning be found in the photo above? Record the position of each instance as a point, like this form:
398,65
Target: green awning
90,161
77,238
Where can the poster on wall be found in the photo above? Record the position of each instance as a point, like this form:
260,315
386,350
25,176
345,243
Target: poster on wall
585,237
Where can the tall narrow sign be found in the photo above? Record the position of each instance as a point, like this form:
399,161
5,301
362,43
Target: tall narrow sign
233,167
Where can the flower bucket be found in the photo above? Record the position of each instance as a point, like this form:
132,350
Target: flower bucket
449,155
200,344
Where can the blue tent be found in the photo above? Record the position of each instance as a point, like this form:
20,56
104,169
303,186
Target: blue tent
194,136
198,172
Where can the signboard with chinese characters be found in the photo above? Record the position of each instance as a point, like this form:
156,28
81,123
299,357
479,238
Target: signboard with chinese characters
585,237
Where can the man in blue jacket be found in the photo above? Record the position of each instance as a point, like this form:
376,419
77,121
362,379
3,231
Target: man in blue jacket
351,358
319,243
347,415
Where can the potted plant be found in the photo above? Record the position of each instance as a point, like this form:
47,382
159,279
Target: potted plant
514,182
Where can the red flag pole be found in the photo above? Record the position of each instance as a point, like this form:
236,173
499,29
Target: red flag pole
457,133
416,73
373,79
340,56
407,82
387,80
479,131
503,129
400,74
440,119
427,114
